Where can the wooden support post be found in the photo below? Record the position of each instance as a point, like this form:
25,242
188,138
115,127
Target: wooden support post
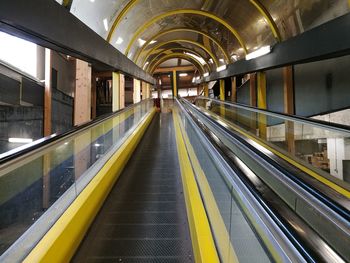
222,89
121,91
93,95
82,114
289,106
47,128
137,91
143,90
222,97
175,84
252,90
82,98
48,94
252,101
261,90
233,90
206,90
115,91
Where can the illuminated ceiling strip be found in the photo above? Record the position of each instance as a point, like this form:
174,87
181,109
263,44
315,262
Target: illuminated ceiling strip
150,52
261,8
185,11
195,62
162,33
172,49
118,19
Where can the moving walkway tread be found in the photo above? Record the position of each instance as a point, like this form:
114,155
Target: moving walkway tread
144,217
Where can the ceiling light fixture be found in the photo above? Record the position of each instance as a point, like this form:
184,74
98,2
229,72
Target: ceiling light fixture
258,53
119,41
221,68
20,140
183,74
141,42
105,23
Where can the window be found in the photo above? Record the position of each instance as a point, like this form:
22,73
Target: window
19,53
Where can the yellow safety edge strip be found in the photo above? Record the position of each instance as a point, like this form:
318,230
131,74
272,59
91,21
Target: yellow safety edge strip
222,236
150,52
178,55
315,175
62,240
202,240
218,225
172,50
162,33
185,11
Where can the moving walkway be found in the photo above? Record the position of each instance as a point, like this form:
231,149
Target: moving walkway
144,186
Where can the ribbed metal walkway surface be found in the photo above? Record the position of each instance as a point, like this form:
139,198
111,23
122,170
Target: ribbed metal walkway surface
144,217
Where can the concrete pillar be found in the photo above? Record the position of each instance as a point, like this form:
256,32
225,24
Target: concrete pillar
289,106
175,87
82,97
137,91
261,96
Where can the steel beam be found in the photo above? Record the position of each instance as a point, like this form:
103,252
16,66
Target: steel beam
51,25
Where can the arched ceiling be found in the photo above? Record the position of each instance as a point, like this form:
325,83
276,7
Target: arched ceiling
224,31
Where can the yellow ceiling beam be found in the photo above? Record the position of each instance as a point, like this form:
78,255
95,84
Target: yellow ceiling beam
150,52
185,11
195,62
118,19
261,8
162,33
172,49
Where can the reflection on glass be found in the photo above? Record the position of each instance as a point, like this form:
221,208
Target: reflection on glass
327,151
32,185
232,229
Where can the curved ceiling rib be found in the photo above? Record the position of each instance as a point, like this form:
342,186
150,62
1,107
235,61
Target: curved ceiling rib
118,19
261,8
258,5
162,33
173,49
150,52
185,11
195,62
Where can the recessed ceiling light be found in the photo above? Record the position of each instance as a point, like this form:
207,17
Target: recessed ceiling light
105,23
119,41
221,68
258,53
